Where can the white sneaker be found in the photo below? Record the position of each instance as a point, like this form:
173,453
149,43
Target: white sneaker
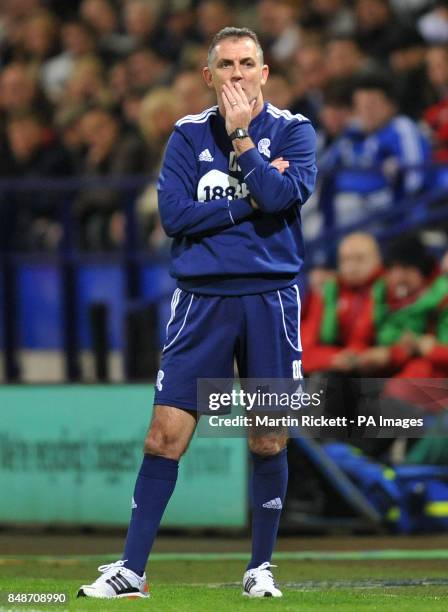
259,582
116,581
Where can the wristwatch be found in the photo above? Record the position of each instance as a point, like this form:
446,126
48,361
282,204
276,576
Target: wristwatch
239,133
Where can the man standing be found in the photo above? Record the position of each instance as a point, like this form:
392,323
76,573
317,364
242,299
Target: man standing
231,186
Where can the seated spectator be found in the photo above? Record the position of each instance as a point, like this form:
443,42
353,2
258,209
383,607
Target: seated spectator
140,20
412,334
377,27
34,153
146,69
336,320
407,59
278,91
380,139
435,115
40,38
109,152
433,25
212,16
78,40
344,58
175,31
278,30
87,84
336,112
404,305
311,78
332,17
437,68
192,93
19,91
159,110
103,18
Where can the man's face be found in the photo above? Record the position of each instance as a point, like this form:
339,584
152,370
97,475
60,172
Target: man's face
372,108
99,129
403,281
236,61
358,260
25,136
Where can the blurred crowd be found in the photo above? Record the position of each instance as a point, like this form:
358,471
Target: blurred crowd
379,316
91,88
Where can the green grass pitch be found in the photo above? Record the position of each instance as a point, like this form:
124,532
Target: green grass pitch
206,585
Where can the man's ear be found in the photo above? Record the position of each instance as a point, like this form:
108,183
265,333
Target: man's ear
264,74
207,76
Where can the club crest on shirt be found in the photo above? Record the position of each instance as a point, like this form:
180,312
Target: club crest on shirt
263,147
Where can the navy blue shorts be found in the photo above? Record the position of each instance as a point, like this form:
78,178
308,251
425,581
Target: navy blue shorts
206,334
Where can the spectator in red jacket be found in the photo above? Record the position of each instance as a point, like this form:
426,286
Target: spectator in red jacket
335,321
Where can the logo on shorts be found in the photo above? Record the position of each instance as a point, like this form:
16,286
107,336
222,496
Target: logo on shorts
263,147
160,377
297,369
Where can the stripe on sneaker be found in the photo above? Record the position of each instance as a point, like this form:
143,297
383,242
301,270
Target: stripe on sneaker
120,582
116,588
126,582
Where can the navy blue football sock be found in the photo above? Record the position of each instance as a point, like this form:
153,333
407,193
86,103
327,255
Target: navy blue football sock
269,480
153,489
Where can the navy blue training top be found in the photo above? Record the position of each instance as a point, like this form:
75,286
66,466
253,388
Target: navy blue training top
222,246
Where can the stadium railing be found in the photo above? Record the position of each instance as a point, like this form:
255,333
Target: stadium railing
426,209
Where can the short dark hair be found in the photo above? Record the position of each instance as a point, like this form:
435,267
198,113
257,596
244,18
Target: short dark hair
233,32
410,252
338,92
376,80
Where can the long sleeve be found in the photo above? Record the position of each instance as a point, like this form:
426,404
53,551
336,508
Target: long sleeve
273,191
181,214
411,149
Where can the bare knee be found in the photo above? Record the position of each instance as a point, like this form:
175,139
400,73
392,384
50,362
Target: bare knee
267,445
170,432
163,443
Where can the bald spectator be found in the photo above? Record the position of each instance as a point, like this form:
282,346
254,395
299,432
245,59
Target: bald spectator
335,323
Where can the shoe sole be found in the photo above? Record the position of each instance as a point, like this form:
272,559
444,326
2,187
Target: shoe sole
258,595
123,596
